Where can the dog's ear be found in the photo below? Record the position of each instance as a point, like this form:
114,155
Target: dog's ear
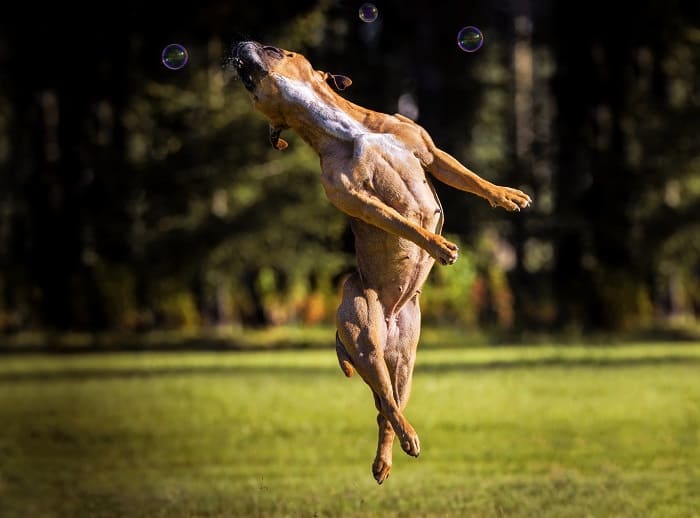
277,142
337,81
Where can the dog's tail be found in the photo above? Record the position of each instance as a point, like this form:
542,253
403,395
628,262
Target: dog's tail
343,357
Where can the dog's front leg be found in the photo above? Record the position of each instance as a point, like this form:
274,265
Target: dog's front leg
370,209
449,170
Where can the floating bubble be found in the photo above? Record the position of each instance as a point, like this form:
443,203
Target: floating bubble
470,39
174,56
368,12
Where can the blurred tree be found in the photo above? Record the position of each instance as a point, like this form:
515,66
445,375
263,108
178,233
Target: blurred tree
627,100
126,185
135,196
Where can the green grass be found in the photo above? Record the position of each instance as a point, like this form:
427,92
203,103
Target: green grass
576,431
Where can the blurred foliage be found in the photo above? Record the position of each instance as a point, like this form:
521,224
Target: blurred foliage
133,197
449,296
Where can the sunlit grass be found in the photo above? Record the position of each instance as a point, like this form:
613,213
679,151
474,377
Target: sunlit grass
544,431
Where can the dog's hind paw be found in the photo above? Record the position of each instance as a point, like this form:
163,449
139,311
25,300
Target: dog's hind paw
408,438
411,445
380,470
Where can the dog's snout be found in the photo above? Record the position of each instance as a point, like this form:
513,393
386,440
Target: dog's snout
236,61
243,47
246,57
243,51
234,57
252,49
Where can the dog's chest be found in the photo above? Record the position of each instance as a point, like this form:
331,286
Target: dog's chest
322,115
395,176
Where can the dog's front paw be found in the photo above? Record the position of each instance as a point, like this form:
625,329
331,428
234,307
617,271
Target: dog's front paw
510,199
444,251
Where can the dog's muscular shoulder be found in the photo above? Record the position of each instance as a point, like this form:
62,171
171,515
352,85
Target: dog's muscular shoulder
414,138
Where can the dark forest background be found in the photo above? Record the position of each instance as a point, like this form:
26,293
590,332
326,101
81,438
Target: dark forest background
133,197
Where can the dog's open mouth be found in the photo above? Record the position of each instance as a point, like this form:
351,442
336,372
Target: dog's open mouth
247,80
247,62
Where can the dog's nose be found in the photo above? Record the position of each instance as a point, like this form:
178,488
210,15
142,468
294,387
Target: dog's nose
240,50
236,59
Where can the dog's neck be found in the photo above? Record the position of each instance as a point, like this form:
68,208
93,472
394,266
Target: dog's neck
319,115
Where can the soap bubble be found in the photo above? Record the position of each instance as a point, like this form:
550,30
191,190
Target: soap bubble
368,12
174,56
470,39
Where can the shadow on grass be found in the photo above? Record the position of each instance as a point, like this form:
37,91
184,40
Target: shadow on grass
196,344
285,338
88,374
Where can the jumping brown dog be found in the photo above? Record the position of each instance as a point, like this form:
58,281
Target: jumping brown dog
373,168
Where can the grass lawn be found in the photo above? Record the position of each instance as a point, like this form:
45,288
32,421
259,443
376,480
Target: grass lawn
574,431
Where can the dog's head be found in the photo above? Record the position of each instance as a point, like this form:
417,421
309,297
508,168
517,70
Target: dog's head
260,68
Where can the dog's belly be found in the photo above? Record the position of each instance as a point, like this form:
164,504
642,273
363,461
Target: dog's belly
394,267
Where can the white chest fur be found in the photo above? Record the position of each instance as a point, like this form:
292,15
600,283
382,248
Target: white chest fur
332,119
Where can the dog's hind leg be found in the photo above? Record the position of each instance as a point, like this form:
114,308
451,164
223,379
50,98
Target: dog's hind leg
400,354
381,467
362,330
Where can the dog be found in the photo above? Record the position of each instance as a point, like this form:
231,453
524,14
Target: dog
373,168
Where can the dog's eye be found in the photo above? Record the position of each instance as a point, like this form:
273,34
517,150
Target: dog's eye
274,50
